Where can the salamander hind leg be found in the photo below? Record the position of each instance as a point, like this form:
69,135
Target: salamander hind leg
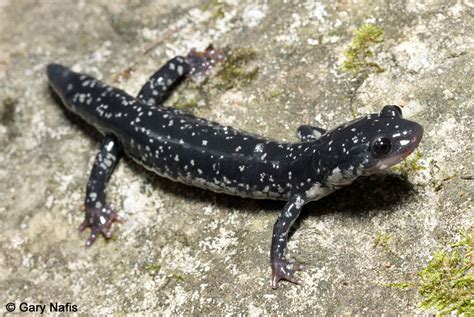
283,268
100,215
309,133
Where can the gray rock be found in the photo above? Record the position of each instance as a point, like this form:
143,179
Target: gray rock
186,251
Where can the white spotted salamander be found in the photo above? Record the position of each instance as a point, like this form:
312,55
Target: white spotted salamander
201,153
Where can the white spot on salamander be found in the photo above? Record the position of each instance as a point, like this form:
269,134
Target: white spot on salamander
404,142
316,191
93,196
109,146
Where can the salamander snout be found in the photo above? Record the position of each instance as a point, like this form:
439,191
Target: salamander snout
416,137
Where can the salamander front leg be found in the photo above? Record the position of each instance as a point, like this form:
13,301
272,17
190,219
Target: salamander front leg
162,83
99,215
283,269
309,133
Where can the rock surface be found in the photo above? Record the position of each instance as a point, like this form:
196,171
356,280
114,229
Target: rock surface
184,250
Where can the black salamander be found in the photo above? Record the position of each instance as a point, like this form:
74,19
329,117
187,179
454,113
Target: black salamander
201,153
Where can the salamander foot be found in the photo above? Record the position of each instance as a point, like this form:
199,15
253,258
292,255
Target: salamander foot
202,62
283,269
99,220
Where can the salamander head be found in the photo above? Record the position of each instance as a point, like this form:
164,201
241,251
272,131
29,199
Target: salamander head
368,145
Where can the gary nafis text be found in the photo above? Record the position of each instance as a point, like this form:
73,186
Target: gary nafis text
47,308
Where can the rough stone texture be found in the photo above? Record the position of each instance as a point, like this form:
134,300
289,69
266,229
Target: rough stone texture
184,250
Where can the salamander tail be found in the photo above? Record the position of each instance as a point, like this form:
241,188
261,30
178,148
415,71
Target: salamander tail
58,76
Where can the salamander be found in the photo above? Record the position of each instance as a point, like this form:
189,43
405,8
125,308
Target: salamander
197,152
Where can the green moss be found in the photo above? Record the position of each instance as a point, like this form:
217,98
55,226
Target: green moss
152,268
447,282
400,285
274,94
410,165
382,240
359,52
216,7
235,70
186,104
7,111
177,276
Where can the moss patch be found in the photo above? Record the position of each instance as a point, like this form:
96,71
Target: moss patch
186,104
382,240
152,268
359,53
216,7
410,165
7,111
447,282
236,69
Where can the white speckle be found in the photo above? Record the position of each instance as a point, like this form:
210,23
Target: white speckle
259,147
316,192
404,142
299,202
109,146
108,163
204,142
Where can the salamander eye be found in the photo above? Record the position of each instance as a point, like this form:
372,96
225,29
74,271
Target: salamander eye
381,146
